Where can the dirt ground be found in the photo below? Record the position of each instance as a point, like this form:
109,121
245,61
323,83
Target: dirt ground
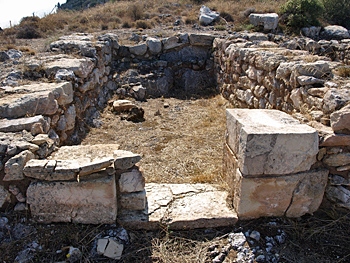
180,141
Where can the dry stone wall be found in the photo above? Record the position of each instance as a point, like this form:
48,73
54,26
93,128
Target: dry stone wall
262,75
82,73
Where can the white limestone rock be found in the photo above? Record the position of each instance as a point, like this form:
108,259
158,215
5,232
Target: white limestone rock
125,159
132,181
14,166
268,21
270,142
207,16
154,45
86,202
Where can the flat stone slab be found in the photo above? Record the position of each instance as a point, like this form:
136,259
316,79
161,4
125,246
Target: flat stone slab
21,124
181,206
85,202
270,142
91,152
35,99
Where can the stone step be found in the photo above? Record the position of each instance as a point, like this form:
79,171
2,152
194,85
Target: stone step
181,206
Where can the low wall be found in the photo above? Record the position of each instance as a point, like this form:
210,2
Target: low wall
74,82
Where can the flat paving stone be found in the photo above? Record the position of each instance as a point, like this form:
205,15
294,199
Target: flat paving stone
181,206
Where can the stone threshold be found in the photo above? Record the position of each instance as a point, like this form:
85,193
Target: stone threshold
181,207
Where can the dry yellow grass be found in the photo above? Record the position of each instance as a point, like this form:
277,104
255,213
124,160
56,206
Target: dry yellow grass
184,144
123,14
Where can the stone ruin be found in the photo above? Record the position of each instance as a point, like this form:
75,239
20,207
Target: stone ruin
274,164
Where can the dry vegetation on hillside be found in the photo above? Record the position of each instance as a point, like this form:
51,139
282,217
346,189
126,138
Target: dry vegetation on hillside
181,143
156,14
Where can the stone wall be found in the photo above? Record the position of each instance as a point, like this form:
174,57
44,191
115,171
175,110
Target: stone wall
262,75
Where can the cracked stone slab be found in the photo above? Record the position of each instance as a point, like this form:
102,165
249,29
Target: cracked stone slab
291,195
86,202
35,99
181,206
91,152
270,142
52,170
125,159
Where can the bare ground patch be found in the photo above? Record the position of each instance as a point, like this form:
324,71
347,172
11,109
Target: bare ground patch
180,141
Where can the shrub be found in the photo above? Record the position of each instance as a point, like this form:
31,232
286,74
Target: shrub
29,28
143,24
301,13
337,12
135,12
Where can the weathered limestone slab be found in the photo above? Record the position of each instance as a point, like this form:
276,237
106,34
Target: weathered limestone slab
336,140
94,166
35,99
340,120
132,181
270,142
21,124
201,39
81,67
123,105
133,201
52,170
268,21
97,151
181,206
86,202
291,195
125,160
14,166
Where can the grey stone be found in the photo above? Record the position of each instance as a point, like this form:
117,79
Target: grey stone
133,201
154,45
16,125
52,170
181,206
14,166
207,16
340,120
263,140
268,21
138,50
131,182
125,160
201,39
334,32
86,202
4,196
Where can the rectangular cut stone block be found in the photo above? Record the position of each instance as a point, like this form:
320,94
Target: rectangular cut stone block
131,182
270,142
133,201
86,202
291,195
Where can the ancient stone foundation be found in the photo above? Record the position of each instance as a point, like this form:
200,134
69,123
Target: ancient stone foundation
274,165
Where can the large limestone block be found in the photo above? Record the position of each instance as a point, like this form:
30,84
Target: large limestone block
35,99
16,125
181,206
133,201
291,195
52,170
270,142
14,166
201,39
125,159
81,67
340,120
268,21
86,202
132,181
91,152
